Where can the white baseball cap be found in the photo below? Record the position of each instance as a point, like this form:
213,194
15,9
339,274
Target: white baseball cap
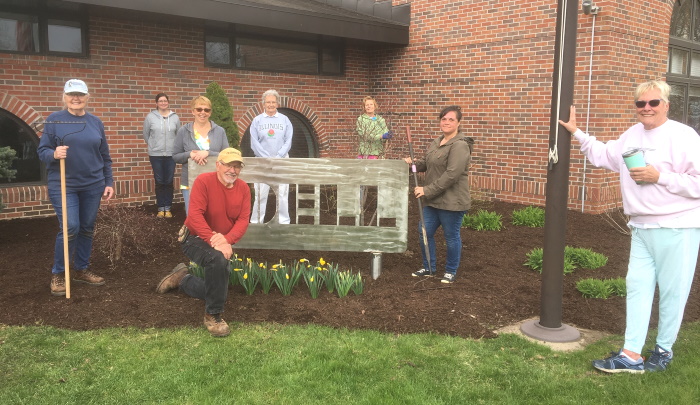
75,86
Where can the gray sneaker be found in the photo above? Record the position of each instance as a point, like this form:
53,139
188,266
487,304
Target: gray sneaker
448,278
617,363
659,360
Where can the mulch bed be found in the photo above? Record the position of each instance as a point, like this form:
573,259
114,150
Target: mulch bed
493,288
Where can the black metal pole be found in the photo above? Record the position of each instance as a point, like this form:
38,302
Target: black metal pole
550,327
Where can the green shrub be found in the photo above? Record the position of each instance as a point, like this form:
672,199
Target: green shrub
222,113
594,288
529,216
7,155
535,259
586,258
618,285
483,221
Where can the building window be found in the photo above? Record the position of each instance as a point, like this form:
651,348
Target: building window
43,27
17,135
274,52
683,74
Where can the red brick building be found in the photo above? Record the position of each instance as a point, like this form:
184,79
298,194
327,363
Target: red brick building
494,58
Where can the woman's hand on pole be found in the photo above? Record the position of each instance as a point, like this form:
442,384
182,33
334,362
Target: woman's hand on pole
418,192
60,152
571,124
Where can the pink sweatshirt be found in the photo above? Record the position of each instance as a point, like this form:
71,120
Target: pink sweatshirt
674,150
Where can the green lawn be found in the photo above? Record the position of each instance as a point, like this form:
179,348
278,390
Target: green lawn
273,364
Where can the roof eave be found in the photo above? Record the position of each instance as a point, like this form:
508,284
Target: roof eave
284,19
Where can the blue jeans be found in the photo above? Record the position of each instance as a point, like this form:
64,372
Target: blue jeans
163,173
451,222
213,288
81,207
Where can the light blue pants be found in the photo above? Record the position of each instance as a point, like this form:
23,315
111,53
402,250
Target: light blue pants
667,257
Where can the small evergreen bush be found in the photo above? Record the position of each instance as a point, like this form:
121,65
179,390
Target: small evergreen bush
528,216
222,113
7,155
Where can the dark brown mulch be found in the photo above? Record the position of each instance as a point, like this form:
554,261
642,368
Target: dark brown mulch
493,287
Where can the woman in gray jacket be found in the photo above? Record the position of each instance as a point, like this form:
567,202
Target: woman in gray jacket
446,191
199,141
159,129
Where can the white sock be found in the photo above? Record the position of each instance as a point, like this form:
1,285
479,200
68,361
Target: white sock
631,359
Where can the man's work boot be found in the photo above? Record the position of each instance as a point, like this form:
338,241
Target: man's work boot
87,277
172,280
58,284
216,326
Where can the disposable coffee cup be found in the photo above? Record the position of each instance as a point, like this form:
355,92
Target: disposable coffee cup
634,158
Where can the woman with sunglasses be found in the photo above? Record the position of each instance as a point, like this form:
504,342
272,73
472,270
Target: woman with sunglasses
77,137
198,140
661,196
159,129
445,191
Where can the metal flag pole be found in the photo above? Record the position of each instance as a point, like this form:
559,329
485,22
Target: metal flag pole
426,248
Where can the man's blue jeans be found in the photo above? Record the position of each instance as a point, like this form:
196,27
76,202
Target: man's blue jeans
214,287
451,222
81,207
163,172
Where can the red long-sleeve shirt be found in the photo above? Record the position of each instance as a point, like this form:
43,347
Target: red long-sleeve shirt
215,208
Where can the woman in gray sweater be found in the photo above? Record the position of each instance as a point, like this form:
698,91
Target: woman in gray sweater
159,129
199,141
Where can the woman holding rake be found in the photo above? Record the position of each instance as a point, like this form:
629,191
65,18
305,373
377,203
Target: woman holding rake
446,192
75,138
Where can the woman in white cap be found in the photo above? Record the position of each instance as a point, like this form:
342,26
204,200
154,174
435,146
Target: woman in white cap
78,137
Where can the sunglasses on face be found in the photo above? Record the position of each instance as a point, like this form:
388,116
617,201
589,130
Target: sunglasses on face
200,109
652,103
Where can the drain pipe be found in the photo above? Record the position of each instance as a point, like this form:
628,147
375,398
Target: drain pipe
594,11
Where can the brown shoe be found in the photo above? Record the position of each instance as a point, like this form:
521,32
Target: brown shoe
168,214
216,326
161,214
172,280
87,277
58,284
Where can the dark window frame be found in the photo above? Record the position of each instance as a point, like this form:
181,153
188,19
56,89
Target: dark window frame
44,14
320,44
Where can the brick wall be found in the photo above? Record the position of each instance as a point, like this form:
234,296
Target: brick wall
493,58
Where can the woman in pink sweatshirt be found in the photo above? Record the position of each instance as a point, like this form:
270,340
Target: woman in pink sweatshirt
662,198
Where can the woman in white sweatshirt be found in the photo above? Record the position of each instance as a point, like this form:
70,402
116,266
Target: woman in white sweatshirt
662,199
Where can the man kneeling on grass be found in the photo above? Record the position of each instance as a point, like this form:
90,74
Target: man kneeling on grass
218,218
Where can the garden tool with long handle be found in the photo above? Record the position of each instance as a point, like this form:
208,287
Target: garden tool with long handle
64,215
426,248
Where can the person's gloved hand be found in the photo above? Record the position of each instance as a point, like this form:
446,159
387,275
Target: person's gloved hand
388,135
